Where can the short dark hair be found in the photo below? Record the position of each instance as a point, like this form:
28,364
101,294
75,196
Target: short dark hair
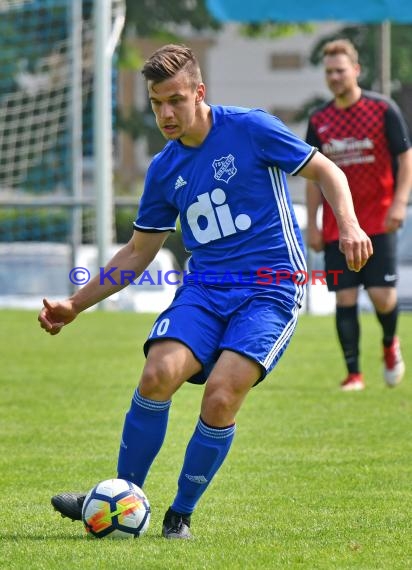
341,47
169,60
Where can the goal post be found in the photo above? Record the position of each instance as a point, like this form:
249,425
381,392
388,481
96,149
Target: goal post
108,26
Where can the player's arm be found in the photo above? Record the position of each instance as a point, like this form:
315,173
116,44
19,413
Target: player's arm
397,212
313,198
353,241
313,203
125,266
397,135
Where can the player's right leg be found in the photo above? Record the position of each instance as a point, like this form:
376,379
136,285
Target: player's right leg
169,364
345,284
69,505
348,330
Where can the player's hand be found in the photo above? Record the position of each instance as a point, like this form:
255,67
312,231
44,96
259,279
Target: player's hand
356,247
395,217
314,239
55,315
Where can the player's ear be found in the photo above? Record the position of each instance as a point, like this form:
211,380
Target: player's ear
200,93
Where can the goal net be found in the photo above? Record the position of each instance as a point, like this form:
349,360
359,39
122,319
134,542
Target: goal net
46,123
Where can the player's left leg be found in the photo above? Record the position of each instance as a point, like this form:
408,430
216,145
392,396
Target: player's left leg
380,281
385,302
230,380
255,338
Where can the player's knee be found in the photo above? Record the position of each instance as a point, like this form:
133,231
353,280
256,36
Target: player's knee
385,306
219,408
385,302
155,380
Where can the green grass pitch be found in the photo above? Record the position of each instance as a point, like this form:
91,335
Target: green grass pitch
316,479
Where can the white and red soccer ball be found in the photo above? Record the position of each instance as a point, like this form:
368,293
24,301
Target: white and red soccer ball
116,508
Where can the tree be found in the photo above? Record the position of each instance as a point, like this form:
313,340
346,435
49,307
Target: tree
154,18
167,21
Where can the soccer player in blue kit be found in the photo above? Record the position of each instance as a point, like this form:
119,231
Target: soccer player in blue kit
223,172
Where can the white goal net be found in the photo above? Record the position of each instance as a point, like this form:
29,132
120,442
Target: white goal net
46,123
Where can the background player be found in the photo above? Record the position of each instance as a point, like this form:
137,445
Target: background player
365,135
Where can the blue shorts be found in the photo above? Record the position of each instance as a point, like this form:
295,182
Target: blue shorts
255,322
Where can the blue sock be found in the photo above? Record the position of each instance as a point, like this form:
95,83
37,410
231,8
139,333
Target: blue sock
143,435
205,453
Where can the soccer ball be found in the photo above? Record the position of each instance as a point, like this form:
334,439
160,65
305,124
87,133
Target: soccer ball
116,508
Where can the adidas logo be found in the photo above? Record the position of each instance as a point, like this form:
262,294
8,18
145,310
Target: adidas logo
201,479
180,182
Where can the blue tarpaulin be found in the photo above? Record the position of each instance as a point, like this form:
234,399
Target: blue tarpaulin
370,11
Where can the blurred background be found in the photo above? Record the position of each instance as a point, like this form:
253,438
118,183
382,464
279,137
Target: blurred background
77,133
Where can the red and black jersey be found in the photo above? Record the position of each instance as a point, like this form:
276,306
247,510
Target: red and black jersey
364,141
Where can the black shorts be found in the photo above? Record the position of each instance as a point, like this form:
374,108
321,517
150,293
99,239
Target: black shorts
379,271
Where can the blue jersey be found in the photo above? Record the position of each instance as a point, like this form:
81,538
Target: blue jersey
232,197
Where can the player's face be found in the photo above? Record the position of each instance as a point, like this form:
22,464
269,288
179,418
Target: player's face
341,74
174,102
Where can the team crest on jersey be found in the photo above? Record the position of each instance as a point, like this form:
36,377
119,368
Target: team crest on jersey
224,168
